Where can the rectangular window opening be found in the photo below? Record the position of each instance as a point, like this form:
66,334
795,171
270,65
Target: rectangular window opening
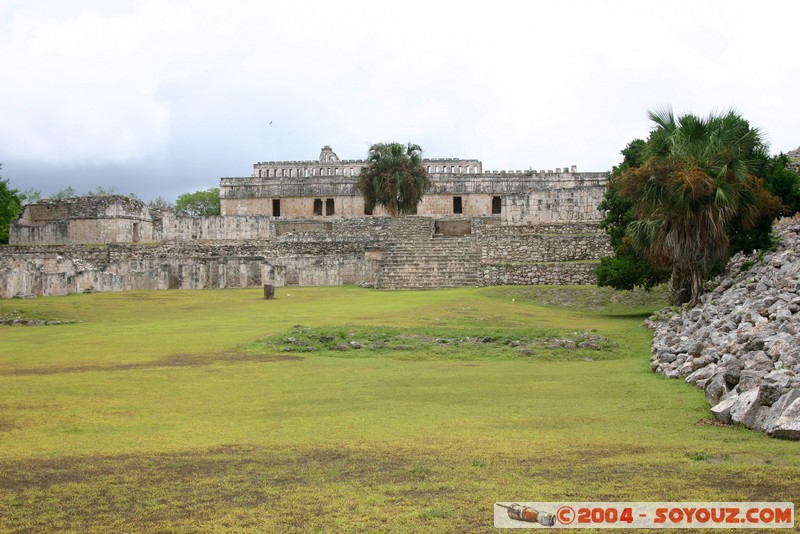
276,207
497,205
329,207
317,206
457,208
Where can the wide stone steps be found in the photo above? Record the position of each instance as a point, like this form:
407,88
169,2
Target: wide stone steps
405,228
430,263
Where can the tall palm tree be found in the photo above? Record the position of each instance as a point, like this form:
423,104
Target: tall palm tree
394,178
696,179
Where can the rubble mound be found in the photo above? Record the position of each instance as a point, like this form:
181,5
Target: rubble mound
741,345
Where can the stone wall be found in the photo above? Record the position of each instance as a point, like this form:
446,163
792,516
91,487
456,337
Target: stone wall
524,197
545,243
196,255
86,220
544,273
60,270
547,254
405,253
167,226
329,164
327,188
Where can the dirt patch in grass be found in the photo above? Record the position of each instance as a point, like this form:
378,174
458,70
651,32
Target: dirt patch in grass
195,360
262,488
6,425
160,491
711,422
175,360
763,490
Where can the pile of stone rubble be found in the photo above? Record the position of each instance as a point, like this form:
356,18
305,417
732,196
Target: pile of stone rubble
16,321
741,345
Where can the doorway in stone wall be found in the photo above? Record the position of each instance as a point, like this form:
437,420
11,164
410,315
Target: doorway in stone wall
497,205
457,205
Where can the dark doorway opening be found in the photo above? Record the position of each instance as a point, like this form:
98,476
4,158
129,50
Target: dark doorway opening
497,205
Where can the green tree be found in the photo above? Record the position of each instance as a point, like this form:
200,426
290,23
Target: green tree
10,207
627,268
101,191
67,192
784,182
160,203
199,203
696,180
29,196
394,178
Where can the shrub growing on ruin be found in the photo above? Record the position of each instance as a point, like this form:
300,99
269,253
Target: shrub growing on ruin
394,178
199,203
10,206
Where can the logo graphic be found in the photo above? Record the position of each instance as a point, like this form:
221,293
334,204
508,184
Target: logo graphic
529,515
644,515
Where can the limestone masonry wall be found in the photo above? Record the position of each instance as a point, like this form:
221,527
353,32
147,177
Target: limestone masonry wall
167,226
303,222
60,270
405,253
99,219
517,197
538,274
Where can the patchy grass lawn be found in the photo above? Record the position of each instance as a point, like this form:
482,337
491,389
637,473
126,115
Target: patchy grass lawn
351,410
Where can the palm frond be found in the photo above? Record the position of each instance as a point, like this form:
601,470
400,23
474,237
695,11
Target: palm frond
394,177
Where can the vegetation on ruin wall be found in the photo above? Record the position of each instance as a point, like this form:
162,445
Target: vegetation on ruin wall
182,411
394,178
697,191
11,202
200,203
9,209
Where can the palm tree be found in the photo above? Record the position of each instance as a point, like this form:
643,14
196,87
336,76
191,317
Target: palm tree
696,179
394,178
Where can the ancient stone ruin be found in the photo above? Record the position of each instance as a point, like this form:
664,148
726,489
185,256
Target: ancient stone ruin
304,223
794,160
741,346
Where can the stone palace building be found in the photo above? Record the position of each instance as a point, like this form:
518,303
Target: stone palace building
304,223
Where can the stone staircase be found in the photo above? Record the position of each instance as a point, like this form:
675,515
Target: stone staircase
416,259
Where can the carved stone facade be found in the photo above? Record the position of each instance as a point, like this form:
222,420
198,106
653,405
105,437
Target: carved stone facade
85,220
410,252
303,223
329,164
459,187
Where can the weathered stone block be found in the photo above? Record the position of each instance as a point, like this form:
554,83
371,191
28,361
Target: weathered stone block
787,425
746,408
722,410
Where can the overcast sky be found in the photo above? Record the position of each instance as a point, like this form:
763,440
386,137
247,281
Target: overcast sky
163,97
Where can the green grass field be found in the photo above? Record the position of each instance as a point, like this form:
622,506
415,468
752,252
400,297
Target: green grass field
217,411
